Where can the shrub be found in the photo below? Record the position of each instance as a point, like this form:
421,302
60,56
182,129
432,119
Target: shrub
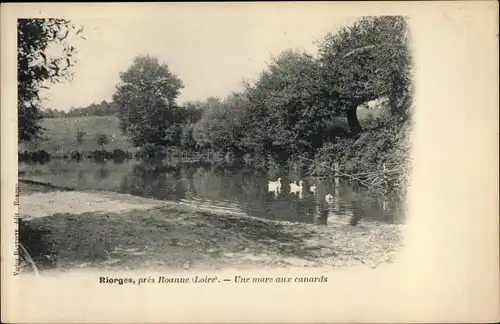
79,136
102,140
151,152
75,155
119,156
387,144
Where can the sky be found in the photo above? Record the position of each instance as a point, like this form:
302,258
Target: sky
209,49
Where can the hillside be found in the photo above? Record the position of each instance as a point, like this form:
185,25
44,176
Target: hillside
60,134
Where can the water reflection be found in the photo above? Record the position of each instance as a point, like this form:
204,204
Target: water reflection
102,172
258,196
297,200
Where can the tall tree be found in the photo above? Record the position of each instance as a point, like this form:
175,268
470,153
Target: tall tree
146,99
287,114
36,68
365,61
221,126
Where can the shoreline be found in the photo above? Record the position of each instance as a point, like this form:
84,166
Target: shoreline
112,231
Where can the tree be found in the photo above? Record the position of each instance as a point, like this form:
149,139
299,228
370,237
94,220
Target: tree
191,112
224,124
102,140
187,139
201,129
287,114
146,101
48,113
36,68
79,136
366,61
105,108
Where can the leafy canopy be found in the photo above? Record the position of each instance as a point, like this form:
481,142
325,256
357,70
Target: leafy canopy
368,60
36,69
146,99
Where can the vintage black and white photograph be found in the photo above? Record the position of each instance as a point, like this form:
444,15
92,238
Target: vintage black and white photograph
178,143
250,162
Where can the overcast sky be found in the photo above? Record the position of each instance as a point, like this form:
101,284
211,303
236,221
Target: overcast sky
209,49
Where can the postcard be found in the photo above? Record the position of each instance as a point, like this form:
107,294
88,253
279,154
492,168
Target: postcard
288,162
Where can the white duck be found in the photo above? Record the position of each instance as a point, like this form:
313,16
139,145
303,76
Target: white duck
329,198
312,188
296,188
274,186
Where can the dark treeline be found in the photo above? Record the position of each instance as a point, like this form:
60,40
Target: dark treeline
102,109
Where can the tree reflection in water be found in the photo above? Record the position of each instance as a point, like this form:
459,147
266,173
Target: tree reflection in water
248,191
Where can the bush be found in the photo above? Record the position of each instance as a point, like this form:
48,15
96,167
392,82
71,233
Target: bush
387,144
152,152
101,155
40,156
79,136
75,155
102,139
119,155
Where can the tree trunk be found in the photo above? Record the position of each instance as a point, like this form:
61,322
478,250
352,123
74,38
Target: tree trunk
352,120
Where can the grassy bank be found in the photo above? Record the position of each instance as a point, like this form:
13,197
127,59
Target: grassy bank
116,232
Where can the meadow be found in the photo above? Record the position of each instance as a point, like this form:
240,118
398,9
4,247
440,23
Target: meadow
60,137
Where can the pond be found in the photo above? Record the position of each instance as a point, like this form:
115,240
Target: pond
239,191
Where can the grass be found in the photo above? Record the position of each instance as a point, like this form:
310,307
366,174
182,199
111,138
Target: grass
60,134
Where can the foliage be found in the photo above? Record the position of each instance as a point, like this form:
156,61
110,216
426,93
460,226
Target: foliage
187,140
221,126
36,68
79,136
191,112
302,106
152,151
388,143
102,139
366,61
39,156
286,112
146,100
103,109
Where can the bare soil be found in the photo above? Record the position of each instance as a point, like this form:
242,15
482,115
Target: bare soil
74,230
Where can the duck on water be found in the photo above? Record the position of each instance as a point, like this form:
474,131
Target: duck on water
274,187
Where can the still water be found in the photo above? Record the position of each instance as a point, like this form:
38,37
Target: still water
242,191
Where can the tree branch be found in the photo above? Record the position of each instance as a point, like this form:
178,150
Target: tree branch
367,47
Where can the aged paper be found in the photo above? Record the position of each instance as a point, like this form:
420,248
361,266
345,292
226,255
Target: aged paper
448,268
